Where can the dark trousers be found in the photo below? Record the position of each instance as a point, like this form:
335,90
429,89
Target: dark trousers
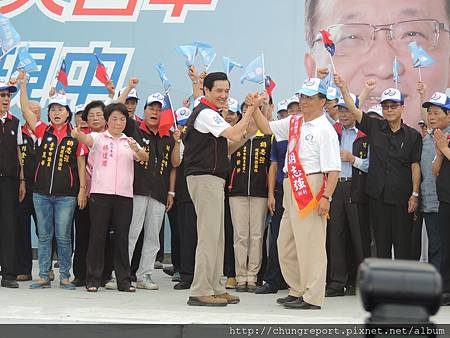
24,255
187,220
273,274
160,254
262,269
228,261
136,259
82,230
393,226
9,207
344,238
416,235
444,226
116,211
434,238
174,238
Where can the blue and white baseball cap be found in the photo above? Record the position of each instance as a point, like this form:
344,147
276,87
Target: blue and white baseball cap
313,86
131,95
341,102
182,115
233,105
282,105
155,97
438,99
392,94
333,93
5,86
377,109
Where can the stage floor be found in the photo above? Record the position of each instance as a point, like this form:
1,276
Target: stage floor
57,306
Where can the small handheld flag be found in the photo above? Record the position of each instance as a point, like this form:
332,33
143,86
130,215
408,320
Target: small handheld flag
207,52
420,57
395,72
9,38
269,85
100,72
62,75
329,46
26,61
162,75
229,64
189,52
254,72
167,117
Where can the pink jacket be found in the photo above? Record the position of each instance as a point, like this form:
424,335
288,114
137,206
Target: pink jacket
112,165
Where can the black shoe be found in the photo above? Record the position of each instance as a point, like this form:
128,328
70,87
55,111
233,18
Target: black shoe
169,270
79,282
334,293
182,285
266,289
287,299
12,284
301,304
445,300
241,288
350,291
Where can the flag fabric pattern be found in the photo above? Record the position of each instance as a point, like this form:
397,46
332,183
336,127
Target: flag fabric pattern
100,72
167,118
328,42
229,64
62,75
254,72
162,75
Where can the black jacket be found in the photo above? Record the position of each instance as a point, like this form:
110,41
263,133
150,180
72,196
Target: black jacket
9,160
443,181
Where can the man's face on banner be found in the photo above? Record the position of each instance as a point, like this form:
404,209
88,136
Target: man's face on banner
359,58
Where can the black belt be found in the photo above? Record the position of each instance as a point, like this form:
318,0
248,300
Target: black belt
344,179
317,173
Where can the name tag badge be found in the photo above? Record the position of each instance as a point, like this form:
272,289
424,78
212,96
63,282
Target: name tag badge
49,139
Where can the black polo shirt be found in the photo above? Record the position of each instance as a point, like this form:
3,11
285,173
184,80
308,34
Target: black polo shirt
391,156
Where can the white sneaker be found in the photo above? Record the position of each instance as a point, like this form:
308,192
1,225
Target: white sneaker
147,283
111,285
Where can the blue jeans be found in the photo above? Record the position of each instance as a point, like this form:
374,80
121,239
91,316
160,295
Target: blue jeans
54,215
434,239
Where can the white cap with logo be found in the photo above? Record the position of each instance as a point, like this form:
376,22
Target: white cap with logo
182,115
131,95
155,97
59,99
392,94
233,105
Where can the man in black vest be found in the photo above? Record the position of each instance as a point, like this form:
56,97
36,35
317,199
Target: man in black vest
206,167
11,173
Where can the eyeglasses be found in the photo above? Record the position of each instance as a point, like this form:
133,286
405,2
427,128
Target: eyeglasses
358,38
3,95
390,106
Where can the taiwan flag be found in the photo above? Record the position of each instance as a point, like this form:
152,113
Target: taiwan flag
100,72
328,42
269,85
167,119
62,75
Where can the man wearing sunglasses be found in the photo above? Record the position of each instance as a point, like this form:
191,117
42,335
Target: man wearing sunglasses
369,34
11,182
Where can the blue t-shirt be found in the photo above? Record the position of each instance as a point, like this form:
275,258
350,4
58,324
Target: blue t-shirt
278,154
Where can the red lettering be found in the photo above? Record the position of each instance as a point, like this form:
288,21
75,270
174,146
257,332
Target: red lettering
80,9
178,5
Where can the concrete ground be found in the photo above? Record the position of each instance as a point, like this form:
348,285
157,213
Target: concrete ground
167,306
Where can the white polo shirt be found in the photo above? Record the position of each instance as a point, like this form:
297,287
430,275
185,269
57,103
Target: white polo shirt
318,147
209,121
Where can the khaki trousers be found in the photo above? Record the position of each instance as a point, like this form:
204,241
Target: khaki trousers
248,215
301,247
207,194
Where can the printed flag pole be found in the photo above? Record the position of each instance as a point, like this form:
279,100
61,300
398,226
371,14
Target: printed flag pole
395,70
173,111
263,73
420,74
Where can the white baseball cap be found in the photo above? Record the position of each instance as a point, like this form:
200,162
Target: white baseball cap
313,86
392,94
131,95
5,86
59,99
233,105
438,99
79,108
291,100
341,102
333,93
155,97
376,109
182,115
282,105
197,101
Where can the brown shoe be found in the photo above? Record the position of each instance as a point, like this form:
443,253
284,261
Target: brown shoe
23,278
207,301
229,298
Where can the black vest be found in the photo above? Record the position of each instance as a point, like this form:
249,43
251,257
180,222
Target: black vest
28,152
360,149
204,154
250,167
57,168
443,181
9,160
152,178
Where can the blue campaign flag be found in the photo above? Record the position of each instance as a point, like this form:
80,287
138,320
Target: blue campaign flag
396,70
420,57
254,72
9,38
26,61
162,75
207,52
229,64
189,52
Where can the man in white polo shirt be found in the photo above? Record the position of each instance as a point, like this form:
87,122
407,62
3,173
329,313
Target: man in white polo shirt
311,172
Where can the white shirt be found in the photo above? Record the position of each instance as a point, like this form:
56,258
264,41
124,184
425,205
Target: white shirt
318,147
209,121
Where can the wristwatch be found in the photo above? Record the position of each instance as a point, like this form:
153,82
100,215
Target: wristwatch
415,194
171,193
329,198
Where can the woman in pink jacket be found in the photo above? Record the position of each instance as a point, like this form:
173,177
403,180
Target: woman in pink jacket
111,196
